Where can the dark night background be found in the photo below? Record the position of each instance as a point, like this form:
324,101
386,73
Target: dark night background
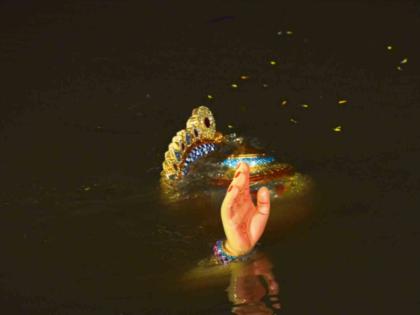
93,91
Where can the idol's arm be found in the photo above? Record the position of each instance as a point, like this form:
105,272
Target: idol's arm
243,222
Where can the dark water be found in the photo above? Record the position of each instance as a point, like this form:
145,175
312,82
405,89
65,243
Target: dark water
93,91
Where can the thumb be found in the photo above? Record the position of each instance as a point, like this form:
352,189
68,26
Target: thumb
263,201
260,218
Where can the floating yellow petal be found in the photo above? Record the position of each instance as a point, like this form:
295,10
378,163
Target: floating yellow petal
404,61
244,77
289,32
234,85
87,188
341,102
399,68
210,97
273,62
284,103
230,126
305,105
389,47
337,129
293,120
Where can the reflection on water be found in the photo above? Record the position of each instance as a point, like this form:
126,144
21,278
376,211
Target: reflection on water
251,286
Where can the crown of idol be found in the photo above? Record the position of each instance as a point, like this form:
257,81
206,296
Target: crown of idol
188,145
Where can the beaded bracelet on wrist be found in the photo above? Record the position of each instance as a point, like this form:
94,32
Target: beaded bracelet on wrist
224,258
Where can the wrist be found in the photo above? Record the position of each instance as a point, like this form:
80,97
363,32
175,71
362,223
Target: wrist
231,250
226,255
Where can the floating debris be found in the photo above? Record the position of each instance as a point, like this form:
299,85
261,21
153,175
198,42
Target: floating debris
287,33
305,105
265,85
404,61
342,102
234,85
389,47
230,126
273,62
244,77
337,129
293,120
210,97
284,103
399,68
87,188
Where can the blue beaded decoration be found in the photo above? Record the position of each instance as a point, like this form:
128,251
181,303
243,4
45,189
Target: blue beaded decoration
197,153
251,161
221,255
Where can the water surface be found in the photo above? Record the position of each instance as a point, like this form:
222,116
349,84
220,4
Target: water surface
93,93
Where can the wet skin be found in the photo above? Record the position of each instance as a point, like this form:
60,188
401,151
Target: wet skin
243,222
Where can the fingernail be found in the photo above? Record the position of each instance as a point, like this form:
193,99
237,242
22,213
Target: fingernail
230,188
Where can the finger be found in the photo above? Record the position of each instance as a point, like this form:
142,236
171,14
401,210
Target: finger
260,218
263,201
241,180
243,168
227,205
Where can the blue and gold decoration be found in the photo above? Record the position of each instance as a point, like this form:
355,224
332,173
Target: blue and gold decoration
251,159
199,140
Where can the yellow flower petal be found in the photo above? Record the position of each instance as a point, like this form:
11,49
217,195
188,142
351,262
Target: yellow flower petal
210,97
244,77
284,103
404,61
341,102
234,85
273,62
293,120
305,105
337,129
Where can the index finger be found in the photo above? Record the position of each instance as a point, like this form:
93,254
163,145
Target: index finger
230,198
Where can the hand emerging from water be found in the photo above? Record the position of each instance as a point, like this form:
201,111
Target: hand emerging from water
243,222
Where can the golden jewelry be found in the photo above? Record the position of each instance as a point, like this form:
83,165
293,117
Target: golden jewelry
197,140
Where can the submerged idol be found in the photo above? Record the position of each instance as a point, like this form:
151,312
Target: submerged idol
202,159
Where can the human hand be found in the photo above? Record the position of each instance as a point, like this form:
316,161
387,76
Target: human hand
243,222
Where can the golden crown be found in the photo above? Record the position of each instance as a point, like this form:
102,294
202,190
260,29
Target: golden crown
188,145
